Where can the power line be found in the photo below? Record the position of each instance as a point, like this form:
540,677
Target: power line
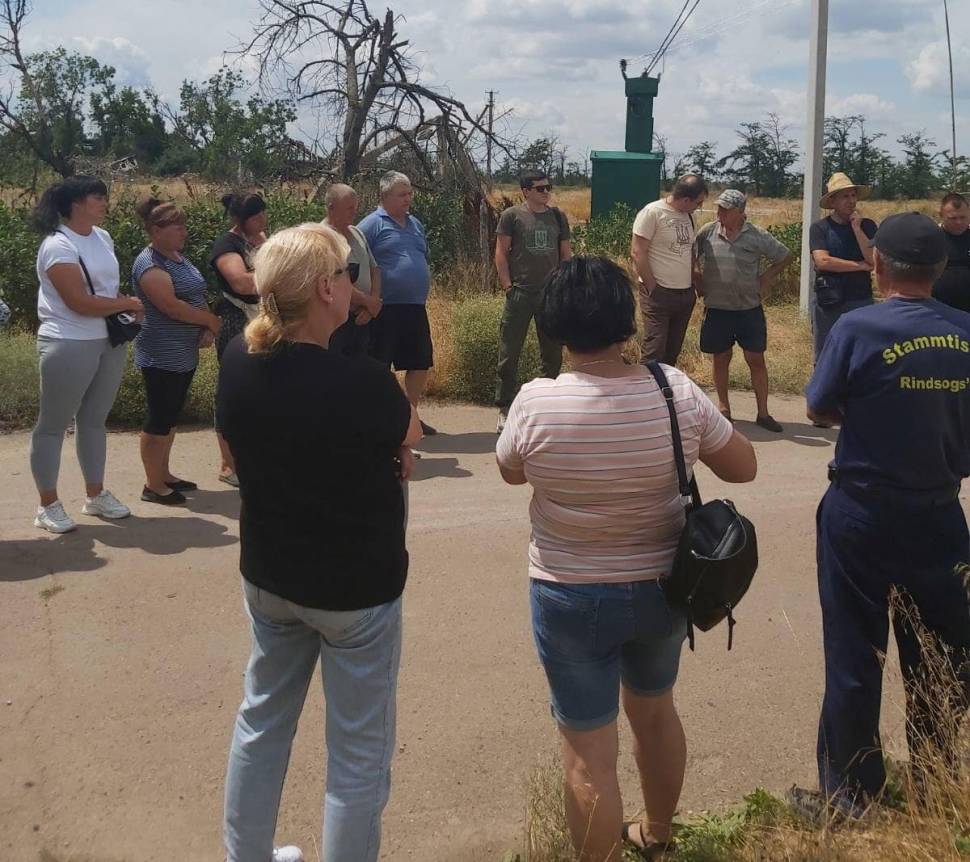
722,25
953,110
680,27
666,39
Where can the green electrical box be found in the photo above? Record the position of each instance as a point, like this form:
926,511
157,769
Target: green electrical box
631,177
639,114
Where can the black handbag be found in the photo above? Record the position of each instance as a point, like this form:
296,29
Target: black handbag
717,553
122,325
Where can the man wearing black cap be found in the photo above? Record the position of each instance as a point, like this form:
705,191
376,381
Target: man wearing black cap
896,376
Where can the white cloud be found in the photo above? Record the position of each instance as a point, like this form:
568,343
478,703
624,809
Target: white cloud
869,105
929,71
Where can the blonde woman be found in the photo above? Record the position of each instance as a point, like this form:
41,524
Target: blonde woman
320,443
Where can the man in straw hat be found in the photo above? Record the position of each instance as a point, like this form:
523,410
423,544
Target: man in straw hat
895,376
841,245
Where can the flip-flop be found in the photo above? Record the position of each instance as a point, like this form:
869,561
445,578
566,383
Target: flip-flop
653,851
229,479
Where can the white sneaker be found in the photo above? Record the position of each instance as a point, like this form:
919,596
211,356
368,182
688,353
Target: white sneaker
54,519
106,505
500,425
287,854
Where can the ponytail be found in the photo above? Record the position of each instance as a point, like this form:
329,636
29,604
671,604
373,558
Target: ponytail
57,200
240,206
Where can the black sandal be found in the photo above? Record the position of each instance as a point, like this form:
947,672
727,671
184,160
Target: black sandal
653,851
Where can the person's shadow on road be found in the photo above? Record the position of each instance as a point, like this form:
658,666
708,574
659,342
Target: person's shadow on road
473,443
27,559
225,503
794,432
438,468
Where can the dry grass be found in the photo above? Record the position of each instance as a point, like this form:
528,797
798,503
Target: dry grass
925,815
765,212
789,353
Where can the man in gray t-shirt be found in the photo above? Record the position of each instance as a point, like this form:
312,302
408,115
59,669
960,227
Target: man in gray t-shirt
728,254
531,240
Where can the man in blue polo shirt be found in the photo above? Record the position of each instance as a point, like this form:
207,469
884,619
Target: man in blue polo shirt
401,335
896,376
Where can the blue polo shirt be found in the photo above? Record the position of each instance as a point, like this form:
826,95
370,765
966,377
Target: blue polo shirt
899,374
402,255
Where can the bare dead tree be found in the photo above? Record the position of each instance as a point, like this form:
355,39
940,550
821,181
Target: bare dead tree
39,135
339,56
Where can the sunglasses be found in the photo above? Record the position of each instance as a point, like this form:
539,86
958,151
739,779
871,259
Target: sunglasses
546,188
352,269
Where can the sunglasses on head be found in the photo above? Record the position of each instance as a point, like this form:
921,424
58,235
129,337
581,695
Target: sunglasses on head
544,188
352,269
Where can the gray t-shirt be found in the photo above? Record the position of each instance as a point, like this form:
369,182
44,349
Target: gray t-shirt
360,253
731,269
535,243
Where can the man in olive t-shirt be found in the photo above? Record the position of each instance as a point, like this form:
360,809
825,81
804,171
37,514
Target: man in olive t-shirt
531,240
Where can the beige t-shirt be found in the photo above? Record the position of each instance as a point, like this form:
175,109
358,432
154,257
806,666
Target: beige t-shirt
671,235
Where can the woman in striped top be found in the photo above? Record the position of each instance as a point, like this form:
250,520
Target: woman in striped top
177,323
595,444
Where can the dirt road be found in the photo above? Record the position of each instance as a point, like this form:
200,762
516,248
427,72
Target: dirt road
122,648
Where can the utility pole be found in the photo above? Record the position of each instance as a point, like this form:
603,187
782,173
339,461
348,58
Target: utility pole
488,141
953,109
814,134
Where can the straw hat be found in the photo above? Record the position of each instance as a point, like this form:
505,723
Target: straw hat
838,183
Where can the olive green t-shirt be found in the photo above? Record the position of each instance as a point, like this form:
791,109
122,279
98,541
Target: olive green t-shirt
535,243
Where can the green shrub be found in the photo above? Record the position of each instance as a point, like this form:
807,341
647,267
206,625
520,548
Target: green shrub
475,326
441,214
18,380
786,287
19,390
607,235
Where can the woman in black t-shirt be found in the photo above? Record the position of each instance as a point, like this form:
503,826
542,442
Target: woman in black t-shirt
321,443
231,261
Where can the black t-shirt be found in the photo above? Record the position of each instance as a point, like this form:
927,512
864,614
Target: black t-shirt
953,287
314,436
899,373
232,243
839,241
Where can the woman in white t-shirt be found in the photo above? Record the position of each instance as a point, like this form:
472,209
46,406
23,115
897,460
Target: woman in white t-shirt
80,371
595,444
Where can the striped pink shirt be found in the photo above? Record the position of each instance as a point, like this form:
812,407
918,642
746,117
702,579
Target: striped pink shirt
597,452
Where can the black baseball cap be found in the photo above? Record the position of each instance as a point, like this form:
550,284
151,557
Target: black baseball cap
911,238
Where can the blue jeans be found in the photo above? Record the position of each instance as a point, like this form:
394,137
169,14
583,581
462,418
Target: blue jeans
359,653
592,636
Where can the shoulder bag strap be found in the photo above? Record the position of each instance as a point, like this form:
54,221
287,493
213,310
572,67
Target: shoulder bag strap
80,260
690,496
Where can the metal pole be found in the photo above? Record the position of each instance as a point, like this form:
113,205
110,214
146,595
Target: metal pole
953,109
488,140
814,133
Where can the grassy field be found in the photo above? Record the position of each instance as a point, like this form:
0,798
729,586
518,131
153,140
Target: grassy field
765,212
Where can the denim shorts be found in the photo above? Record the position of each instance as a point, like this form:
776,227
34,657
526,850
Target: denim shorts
592,636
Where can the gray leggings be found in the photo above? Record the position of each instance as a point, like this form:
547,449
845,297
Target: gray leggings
78,379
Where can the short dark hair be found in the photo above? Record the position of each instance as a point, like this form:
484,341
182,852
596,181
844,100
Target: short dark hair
527,179
57,200
958,200
689,186
912,273
587,304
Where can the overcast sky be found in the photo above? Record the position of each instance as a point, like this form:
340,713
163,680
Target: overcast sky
555,62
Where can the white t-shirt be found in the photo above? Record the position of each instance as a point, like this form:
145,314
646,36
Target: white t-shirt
97,249
598,454
671,235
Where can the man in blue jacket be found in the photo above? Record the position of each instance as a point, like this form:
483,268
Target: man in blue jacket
896,376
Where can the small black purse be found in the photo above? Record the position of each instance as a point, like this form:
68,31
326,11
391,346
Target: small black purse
717,553
827,294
